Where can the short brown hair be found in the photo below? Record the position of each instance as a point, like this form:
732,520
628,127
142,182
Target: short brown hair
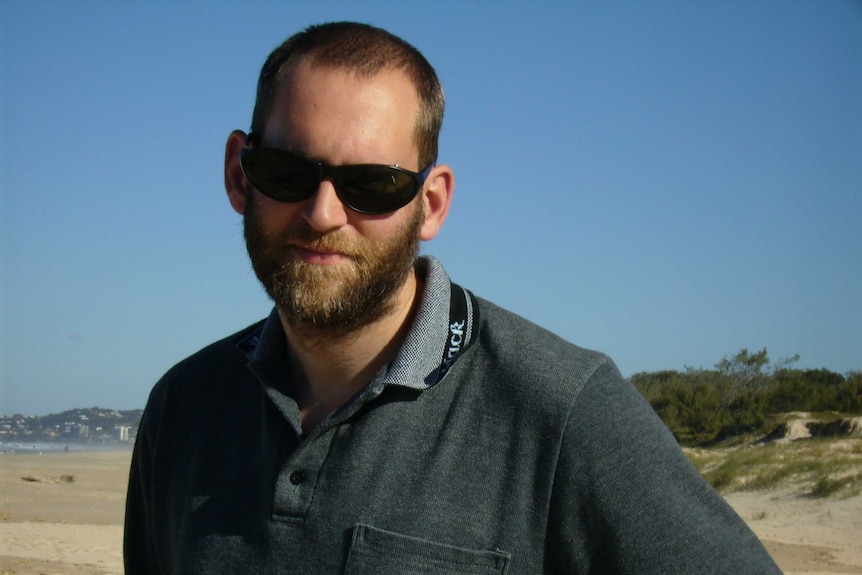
365,50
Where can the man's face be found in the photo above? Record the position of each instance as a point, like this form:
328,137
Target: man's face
324,265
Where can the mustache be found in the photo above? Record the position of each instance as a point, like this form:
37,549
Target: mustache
327,242
305,236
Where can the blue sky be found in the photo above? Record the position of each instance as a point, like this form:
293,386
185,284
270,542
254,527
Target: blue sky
667,182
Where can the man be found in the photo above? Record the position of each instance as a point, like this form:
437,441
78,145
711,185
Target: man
382,419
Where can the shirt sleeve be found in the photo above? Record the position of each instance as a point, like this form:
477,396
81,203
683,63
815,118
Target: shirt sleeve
626,500
139,556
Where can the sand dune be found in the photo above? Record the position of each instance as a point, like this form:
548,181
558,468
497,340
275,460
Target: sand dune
51,525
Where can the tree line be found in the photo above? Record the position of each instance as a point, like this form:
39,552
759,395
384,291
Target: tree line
742,394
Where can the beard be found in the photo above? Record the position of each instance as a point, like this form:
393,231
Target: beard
340,298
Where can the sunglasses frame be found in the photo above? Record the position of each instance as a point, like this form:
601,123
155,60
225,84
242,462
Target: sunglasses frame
335,174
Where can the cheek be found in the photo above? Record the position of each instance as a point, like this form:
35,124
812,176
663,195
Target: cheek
375,229
271,214
403,226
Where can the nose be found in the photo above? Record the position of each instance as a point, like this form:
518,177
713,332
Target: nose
323,211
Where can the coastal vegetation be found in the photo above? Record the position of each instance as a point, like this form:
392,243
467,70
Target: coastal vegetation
749,424
745,394
813,467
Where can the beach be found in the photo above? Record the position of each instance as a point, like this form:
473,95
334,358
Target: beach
66,517
62,513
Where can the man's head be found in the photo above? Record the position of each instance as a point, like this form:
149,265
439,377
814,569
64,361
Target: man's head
365,51
329,109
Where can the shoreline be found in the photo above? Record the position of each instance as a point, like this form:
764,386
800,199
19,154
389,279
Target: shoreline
44,447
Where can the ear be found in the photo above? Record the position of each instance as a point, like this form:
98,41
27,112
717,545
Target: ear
437,196
234,180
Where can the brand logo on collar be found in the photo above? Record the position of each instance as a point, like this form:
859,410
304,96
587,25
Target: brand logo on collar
463,325
456,340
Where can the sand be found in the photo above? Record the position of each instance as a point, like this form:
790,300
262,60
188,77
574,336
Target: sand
50,526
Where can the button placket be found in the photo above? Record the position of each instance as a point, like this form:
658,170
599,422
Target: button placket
297,479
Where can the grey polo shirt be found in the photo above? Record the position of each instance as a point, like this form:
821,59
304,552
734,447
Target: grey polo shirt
530,455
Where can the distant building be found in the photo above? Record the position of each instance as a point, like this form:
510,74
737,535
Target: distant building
123,432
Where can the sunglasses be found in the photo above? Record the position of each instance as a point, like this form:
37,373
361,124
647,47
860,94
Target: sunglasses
364,188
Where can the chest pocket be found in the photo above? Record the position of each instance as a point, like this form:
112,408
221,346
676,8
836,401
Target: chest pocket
378,552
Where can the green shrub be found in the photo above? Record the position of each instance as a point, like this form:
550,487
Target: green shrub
743,392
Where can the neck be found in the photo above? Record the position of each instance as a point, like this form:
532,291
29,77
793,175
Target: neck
329,367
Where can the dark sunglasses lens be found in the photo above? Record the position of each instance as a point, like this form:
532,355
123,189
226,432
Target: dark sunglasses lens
375,189
281,175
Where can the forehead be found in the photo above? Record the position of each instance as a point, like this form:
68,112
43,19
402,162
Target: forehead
318,102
